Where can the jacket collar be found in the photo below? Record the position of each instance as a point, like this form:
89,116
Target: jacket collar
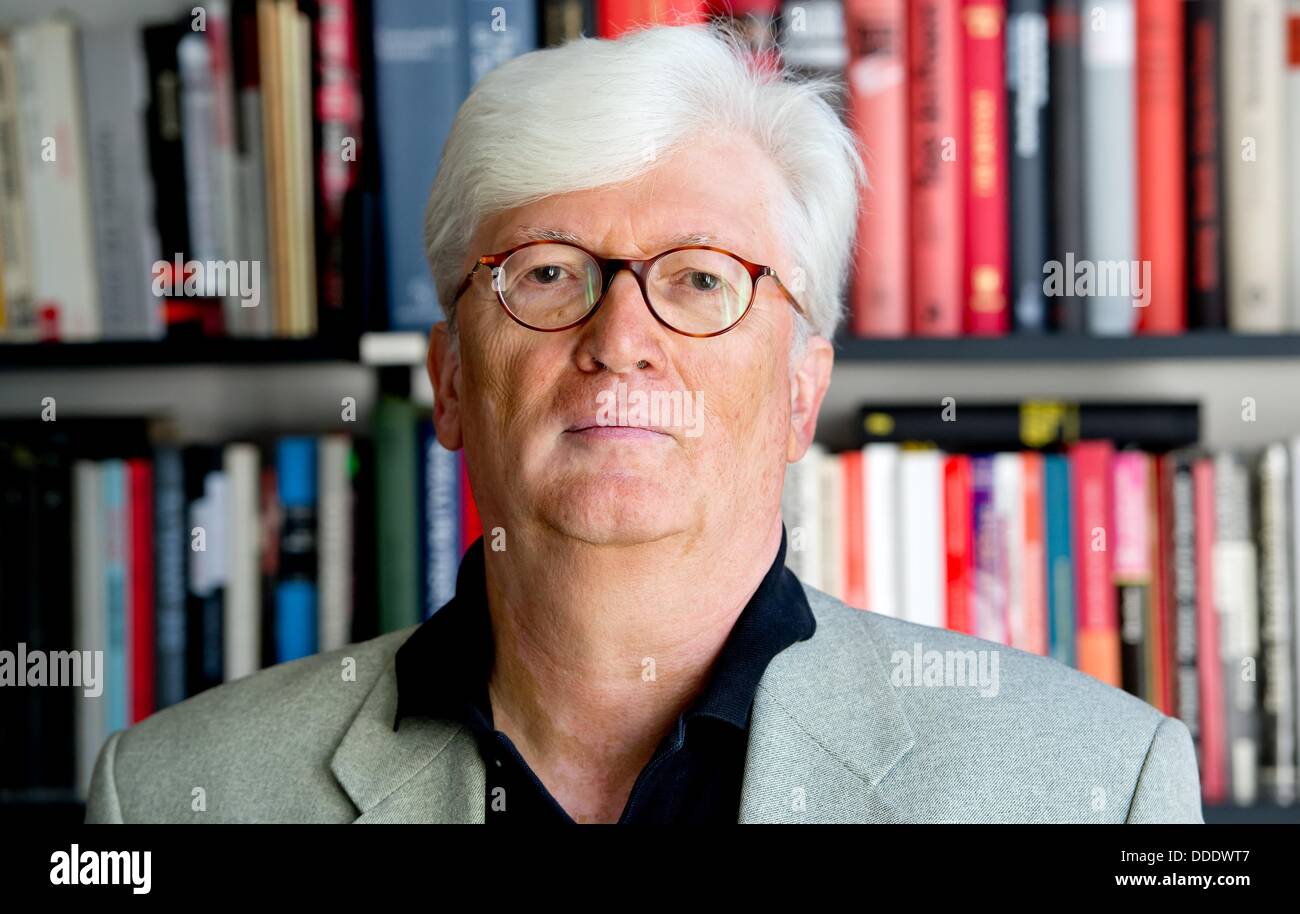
827,728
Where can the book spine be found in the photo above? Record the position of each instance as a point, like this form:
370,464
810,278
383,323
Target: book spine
142,652
242,627
564,20
417,45
439,521
1058,528
1293,150
921,519
1237,600
90,623
1067,152
58,199
166,148
877,84
1097,637
172,544
1209,665
988,596
1132,565
255,240
1207,296
1029,112
958,542
831,494
854,531
498,30
987,232
115,543
335,541
614,17
1255,164
339,112
296,593
1162,220
1159,621
1009,516
1180,558
1034,568
397,542
1277,671
1110,152
935,97
18,322
882,493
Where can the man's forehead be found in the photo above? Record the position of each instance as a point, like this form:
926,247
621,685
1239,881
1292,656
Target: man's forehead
667,240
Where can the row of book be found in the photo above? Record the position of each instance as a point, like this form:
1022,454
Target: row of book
1112,167
1172,576
189,566
250,168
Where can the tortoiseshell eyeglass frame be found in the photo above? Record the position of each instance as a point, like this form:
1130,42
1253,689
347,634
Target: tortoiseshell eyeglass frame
611,266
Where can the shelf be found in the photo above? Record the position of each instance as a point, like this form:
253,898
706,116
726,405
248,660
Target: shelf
1263,814
139,353
1068,348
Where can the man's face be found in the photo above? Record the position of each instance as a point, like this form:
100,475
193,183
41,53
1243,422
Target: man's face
533,410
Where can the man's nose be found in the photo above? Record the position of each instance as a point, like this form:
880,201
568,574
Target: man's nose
622,335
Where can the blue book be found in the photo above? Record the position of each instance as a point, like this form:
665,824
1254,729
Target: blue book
171,547
420,82
439,491
295,594
117,701
1058,525
498,30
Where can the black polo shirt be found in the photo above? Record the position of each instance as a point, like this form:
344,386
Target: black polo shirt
694,775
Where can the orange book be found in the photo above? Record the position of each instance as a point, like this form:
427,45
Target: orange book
854,536
878,109
1162,150
1034,567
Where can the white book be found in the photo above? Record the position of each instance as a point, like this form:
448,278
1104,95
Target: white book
880,488
1109,47
242,625
226,189
19,321
1293,175
64,280
830,491
1009,509
90,619
924,559
800,509
334,545
1256,163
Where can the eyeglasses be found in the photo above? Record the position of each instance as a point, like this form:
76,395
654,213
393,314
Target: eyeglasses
696,290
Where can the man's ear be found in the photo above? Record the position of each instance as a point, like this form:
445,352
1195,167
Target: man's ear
443,364
808,383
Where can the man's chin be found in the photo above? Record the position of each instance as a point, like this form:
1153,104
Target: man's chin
618,511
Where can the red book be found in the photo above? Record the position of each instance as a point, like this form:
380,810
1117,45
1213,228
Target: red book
471,527
934,36
141,652
338,112
854,536
1098,628
1161,649
958,541
987,195
614,17
878,111
1033,569
1209,665
1162,154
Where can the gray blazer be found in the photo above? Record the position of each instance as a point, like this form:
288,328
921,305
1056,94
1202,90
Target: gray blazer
843,730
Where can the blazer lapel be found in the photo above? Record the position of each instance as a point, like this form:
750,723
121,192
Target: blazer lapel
427,771
826,728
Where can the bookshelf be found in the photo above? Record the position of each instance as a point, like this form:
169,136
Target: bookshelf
1058,348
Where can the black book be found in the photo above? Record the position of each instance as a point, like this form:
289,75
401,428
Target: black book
17,547
1032,425
1180,581
204,655
1206,259
1066,55
1028,103
166,153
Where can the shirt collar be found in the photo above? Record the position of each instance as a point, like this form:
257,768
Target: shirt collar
443,668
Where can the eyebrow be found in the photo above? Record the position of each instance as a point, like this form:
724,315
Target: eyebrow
536,233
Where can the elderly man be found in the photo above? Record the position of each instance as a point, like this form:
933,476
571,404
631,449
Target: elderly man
658,221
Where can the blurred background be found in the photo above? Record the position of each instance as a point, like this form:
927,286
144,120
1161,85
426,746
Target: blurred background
1075,308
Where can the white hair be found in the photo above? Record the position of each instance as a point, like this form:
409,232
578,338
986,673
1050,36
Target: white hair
588,113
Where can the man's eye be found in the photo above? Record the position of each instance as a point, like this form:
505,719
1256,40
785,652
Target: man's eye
704,282
547,274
